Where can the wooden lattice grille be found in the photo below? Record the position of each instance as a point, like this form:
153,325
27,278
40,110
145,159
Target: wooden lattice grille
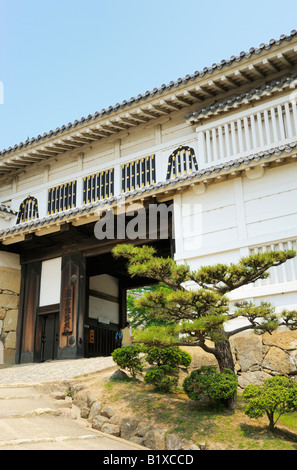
181,162
98,186
28,210
139,173
61,198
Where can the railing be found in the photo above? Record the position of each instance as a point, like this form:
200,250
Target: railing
246,133
102,343
138,173
98,186
286,272
62,197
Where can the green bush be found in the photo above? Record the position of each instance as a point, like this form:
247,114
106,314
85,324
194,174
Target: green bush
172,356
220,388
128,357
164,378
276,396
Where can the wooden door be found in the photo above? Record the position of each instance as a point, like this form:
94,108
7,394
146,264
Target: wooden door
50,337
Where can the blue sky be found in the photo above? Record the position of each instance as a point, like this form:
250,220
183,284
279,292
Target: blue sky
64,59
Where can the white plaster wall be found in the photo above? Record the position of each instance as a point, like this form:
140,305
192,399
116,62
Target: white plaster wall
238,217
105,284
50,286
103,310
9,260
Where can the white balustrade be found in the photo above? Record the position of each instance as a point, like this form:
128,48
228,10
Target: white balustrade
247,132
286,272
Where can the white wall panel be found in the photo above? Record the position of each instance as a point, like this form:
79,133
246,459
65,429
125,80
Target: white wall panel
50,285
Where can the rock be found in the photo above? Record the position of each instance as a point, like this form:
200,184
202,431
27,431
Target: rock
98,422
112,429
128,427
278,361
10,340
9,301
155,439
11,319
248,350
10,279
116,419
91,398
80,397
137,440
256,378
119,375
172,442
84,413
107,411
143,427
283,339
95,410
193,447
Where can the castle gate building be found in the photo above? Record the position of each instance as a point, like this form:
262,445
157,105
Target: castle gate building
215,150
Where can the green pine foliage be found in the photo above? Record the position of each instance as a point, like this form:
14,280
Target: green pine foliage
277,395
193,316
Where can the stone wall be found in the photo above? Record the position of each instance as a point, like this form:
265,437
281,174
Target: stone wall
10,280
256,357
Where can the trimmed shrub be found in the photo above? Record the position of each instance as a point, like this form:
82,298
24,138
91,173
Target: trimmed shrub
128,357
164,378
220,388
276,396
172,356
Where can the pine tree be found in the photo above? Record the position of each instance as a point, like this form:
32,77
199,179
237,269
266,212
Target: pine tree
195,315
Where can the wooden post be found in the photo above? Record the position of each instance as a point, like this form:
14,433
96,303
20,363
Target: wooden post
72,307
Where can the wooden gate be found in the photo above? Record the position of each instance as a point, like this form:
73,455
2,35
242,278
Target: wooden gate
100,341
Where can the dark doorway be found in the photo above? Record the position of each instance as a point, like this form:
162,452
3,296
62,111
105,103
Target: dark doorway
107,283
50,337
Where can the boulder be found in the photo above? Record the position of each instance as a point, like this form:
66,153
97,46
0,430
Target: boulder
155,439
112,429
173,442
95,410
107,411
128,427
98,422
248,350
278,361
255,378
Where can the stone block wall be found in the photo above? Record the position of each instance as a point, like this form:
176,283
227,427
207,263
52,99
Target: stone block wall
10,280
256,357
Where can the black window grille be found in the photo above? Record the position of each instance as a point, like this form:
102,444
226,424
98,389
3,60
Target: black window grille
28,210
61,198
98,186
139,173
181,161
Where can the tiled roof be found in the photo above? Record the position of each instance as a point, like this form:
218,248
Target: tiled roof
254,92
148,190
148,94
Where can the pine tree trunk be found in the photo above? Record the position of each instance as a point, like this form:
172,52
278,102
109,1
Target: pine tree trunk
224,355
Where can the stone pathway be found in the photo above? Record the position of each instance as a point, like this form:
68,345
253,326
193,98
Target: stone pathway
53,370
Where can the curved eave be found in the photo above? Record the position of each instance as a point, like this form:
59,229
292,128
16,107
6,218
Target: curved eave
220,79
